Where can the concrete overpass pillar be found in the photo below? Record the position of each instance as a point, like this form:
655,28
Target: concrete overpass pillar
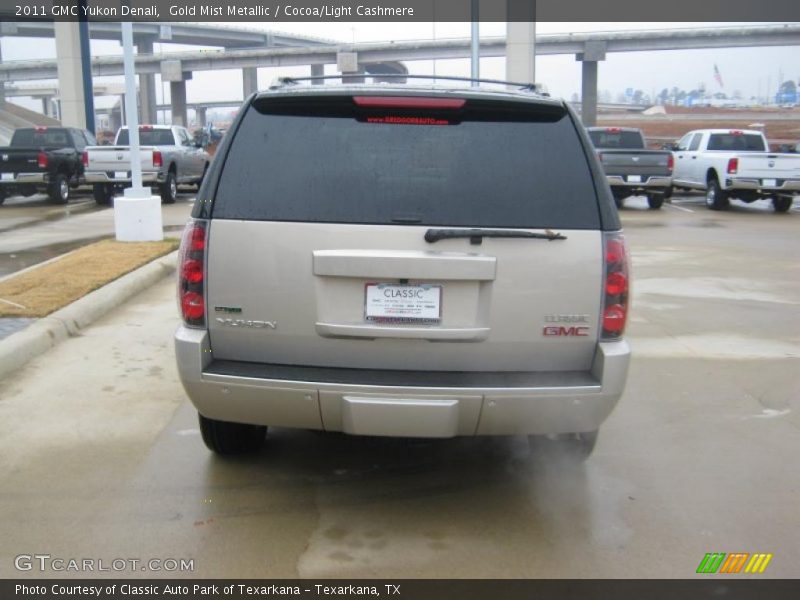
521,52
593,53
70,74
177,92
317,71
347,63
46,100
202,114
171,71
249,81
147,85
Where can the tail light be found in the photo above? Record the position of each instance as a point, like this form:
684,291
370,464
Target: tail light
616,286
158,160
613,130
670,162
191,274
85,159
41,160
733,166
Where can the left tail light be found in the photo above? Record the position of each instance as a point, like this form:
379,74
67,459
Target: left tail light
733,166
41,160
158,160
85,159
671,162
616,286
191,274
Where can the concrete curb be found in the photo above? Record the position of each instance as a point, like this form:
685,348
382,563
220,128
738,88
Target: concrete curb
19,348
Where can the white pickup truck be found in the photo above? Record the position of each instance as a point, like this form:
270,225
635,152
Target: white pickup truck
169,156
731,163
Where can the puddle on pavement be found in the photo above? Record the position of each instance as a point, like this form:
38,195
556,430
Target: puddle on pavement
53,214
11,262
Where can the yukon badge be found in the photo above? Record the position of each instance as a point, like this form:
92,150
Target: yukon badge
247,323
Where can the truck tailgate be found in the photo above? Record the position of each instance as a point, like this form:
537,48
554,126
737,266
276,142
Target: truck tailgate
635,162
117,158
19,160
769,166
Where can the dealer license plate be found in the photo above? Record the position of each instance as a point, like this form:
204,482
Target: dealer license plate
8,177
399,303
120,174
634,179
769,182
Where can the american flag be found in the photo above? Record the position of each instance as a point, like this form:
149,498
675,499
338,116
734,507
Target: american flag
718,77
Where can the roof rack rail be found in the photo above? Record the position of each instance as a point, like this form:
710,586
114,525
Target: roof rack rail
536,88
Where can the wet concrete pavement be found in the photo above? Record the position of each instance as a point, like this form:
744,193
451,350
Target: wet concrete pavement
33,230
100,455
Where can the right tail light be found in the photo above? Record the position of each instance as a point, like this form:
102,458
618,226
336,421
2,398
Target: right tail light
616,286
191,274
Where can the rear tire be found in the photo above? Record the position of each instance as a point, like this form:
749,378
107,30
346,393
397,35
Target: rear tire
169,189
782,204
58,190
618,202
102,194
655,201
227,438
716,197
568,447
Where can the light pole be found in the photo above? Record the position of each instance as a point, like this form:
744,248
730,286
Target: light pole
137,214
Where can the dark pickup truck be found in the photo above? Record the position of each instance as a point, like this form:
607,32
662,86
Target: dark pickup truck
43,159
632,170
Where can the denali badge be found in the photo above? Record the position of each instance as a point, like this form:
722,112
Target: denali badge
5,157
248,323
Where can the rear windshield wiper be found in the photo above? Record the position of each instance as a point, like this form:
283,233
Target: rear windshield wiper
476,235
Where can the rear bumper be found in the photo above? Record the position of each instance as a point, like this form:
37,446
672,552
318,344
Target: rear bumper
108,177
401,404
647,183
789,186
27,179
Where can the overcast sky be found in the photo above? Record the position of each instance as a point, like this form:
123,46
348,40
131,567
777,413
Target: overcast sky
752,71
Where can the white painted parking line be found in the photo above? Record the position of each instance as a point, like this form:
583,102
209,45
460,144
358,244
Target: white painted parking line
679,208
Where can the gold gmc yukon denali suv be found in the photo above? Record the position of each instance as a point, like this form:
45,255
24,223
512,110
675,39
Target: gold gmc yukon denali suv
403,260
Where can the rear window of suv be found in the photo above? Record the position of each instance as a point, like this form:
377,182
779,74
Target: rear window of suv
488,165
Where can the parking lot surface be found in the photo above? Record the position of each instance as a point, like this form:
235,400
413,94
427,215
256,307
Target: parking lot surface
100,455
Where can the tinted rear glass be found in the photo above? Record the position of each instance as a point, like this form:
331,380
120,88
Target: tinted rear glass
153,137
49,137
730,141
622,139
341,166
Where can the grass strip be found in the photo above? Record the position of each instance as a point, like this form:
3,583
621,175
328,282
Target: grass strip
43,290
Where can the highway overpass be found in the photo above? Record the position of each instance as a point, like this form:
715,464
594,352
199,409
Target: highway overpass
385,57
